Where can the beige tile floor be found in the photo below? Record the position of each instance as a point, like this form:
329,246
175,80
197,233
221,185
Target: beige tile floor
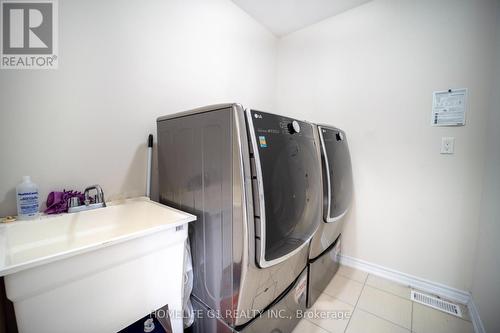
376,305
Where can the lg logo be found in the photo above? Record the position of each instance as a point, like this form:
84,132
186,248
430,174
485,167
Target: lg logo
29,28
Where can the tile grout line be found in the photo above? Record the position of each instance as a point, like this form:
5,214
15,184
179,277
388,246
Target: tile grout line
385,291
341,301
324,329
373,314
356,305
350,278
387,320
375,287
393,294
336,296
411,319
412,302
389,292
456,301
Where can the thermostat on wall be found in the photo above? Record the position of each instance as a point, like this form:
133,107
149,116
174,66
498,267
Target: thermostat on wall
448,107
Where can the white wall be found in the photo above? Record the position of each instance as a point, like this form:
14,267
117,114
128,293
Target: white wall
486,278
372,71
123,64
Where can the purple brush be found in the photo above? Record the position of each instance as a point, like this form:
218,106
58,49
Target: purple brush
57,202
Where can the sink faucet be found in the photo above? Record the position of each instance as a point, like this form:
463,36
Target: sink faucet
98,198
74,204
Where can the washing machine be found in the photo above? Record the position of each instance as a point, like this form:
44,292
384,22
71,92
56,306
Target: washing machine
337,193
253,179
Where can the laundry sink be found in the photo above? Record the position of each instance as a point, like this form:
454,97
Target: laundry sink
97,270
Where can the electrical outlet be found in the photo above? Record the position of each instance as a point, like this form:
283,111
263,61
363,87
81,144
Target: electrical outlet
447,145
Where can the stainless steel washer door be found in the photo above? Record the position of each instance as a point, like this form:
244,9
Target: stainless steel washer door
287,181
337,173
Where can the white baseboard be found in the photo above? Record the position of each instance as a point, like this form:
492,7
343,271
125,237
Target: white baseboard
431,287
435,288
474,316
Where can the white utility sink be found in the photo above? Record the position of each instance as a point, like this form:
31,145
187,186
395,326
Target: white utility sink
97,270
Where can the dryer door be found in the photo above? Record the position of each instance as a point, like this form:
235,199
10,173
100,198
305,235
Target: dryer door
337,173
286,186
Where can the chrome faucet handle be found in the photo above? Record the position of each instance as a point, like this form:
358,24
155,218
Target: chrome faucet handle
99,197
73,202
75,205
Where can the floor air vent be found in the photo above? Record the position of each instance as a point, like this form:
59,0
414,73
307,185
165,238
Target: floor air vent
436,303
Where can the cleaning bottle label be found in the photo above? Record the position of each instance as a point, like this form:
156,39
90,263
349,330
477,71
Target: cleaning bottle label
28,203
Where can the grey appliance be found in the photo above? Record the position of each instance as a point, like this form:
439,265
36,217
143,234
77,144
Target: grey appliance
254,181
337,197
